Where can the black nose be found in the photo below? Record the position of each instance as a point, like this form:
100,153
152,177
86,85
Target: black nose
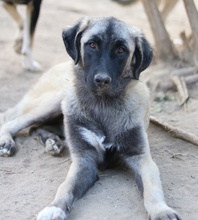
102,80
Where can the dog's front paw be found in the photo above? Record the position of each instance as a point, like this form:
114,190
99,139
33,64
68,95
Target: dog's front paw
7,146
51,213
168,214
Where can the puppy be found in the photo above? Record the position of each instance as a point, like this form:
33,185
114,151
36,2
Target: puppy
24,41
104,108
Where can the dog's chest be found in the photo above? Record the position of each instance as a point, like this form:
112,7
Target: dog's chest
104,125
100,123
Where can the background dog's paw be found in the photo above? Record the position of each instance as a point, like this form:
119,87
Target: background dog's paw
31,65
168,214
51,213
7,146
54,146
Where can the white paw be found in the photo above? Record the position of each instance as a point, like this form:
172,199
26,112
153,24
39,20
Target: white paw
7,146
31,65
53,147
51,213
165,214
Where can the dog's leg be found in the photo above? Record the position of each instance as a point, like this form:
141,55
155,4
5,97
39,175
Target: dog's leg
40,105
12,10
32,14
148,180
31,110
82,175
147,177
11,128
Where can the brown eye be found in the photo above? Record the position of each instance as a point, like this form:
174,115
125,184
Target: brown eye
120,50
92,45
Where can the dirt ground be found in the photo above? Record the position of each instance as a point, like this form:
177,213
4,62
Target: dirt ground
29,180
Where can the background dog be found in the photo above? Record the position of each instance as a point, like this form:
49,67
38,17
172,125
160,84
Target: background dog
105,108
24,41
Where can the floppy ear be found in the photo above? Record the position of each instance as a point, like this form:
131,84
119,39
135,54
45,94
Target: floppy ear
71,38
142,56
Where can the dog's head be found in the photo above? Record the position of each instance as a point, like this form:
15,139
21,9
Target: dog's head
109,52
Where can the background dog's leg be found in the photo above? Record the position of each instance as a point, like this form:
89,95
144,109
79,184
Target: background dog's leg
32,14
12,10
148,181
82,175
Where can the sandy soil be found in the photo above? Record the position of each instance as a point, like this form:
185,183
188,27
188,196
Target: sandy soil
29,180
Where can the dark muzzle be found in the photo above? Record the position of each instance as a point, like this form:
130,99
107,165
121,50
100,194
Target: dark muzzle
102,80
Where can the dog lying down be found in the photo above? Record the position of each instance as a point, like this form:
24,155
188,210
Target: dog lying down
104,108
